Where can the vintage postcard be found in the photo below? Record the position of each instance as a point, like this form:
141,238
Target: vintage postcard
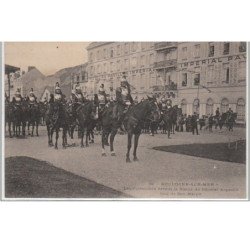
125,120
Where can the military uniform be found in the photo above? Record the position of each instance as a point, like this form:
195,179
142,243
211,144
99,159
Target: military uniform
78,95
58,96
32,98
123,98
17,99
102,97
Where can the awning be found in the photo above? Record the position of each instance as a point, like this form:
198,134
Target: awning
10,69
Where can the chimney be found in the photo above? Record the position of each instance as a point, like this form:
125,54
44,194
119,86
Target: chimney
30,68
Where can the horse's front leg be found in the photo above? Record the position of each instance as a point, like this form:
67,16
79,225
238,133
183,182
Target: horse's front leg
136,140
87,137
103,143
37,124
57,136
129,146
64,138
82,135
49,136
92,136
9,127
32,129
112,137
23,128
28,127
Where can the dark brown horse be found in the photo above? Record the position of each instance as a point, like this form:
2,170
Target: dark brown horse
85,114
133,123
169,118
34,118
20,117
55,119
9,116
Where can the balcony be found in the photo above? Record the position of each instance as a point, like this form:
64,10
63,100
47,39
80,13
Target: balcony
165,64
165,45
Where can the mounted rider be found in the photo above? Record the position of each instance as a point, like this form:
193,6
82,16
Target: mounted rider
57,100
102,97
77,96
32,98
17,99
58,96
123,98
166,104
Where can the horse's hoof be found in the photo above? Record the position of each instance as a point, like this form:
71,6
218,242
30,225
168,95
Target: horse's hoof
136,159
92,141
104,154
56,147
113,154
87,145
32,135
82,146
128,160
37,135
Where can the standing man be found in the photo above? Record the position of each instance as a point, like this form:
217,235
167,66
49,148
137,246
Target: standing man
217,117
210,123
194,123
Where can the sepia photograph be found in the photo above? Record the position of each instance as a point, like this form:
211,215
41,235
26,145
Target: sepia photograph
125,120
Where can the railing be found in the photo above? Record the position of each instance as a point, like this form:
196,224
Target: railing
166,64
165,45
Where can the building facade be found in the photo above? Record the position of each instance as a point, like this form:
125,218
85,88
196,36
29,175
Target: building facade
198,76
107,61
212,75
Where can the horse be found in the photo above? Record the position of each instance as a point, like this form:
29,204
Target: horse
9,112
42,108
55,118
20,117
133,122
169,118
85,114
231,121
222,120
167,123
71,119
34,118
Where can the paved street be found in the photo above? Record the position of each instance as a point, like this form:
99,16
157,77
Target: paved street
157,174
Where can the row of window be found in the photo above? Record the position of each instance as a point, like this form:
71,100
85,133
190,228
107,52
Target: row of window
82,77
125,64
211,75
224,107
119,49
211,50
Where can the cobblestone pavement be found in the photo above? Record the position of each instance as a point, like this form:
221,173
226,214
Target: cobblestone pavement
156,175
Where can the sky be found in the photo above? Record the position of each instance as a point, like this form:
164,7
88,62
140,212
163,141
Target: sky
48,57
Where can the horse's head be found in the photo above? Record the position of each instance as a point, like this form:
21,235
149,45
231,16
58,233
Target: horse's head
94,111
153,108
